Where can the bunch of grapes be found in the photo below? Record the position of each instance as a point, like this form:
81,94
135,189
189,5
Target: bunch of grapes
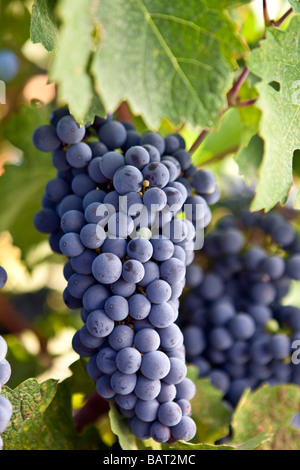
237,329
5,372
126,209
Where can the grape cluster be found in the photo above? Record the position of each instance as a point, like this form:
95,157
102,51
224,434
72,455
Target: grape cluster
125,208
237,329
5,372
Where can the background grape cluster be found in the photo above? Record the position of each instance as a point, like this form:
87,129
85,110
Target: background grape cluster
124,210
5,372
237,329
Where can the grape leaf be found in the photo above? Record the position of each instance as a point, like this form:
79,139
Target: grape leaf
179,68
296,5
44,25
71,61
210,414
42,419
249,159
269,409
227,3
22,186
277,62
175,63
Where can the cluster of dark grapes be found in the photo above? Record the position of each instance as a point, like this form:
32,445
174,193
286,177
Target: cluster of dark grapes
117,210
5,372
237,329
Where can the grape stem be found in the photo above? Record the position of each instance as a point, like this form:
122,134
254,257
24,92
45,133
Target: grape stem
281,20
199,140
276,23
267,18
233,93
232,100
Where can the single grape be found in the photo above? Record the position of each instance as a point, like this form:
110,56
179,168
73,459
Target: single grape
69,131
128,360
110,163
107,268
112,134
155,365
45,139
146,340
139,306
116,307
147,389
99,324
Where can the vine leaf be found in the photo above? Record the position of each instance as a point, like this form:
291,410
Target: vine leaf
72,57
166,59
277,63
210,414
44,24
42,419
175,63
296,5
269,409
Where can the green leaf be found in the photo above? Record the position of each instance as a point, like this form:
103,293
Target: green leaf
42,419
249,159
79,381
44,25
228,3
296,5
296,201
30,400
270,410
120,427
71,61
255,442
175,63
180,445
279,54
22,186
251,444
210,413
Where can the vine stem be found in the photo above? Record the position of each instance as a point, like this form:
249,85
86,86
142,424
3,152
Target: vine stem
231,100
281,20
267,18
233,93
199,140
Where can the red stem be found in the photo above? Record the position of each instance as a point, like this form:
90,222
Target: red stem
281,20
246,103
199,140
232,94
266,13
